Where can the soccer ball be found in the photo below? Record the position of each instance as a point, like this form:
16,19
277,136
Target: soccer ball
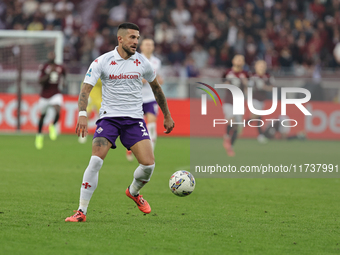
182,183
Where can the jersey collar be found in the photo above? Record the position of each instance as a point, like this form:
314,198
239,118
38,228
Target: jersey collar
118,57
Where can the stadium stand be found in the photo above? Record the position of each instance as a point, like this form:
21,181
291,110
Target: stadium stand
202,33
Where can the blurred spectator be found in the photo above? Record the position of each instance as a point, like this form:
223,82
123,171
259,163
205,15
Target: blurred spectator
63,6
36,24
117,14
176,56
180,15
164,33
224,58
187,30
191,69
199,56
2,15
29,7
285,59
212,57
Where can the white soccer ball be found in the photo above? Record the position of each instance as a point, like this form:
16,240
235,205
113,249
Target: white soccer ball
182,183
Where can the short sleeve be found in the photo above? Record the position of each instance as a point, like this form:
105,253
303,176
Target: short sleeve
149,73
93,73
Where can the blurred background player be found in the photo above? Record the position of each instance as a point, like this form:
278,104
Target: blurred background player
150,106
238,77
277,131
50,77
262,82
95,100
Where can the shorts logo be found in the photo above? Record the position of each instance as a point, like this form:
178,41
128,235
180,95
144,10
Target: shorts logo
144,131
99,130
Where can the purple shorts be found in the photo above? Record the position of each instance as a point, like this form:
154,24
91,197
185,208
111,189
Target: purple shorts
151,107
130,130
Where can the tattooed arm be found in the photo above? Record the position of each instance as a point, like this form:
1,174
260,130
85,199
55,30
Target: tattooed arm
161,100
81,128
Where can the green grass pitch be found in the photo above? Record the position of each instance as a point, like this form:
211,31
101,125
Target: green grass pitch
39,189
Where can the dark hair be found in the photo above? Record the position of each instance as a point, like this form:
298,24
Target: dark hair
128,25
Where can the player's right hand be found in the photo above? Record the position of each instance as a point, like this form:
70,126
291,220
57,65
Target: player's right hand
81,128
169,124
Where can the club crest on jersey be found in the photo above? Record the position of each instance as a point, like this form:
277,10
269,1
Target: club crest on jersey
89,73
99,130
137,62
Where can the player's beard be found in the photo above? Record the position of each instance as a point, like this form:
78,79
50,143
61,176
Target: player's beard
127,50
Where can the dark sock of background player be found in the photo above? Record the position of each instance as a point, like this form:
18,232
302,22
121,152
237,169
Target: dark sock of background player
228,130
234,136
56,118
41,123
259,126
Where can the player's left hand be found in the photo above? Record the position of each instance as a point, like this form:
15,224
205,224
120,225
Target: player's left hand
169,124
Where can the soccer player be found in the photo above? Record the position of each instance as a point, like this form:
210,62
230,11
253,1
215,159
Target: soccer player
150,107
50,78
261,82
121,114
238,77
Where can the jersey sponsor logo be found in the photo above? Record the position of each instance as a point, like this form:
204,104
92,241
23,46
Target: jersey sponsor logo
137,62
128,76
99,130
89,73
113,63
